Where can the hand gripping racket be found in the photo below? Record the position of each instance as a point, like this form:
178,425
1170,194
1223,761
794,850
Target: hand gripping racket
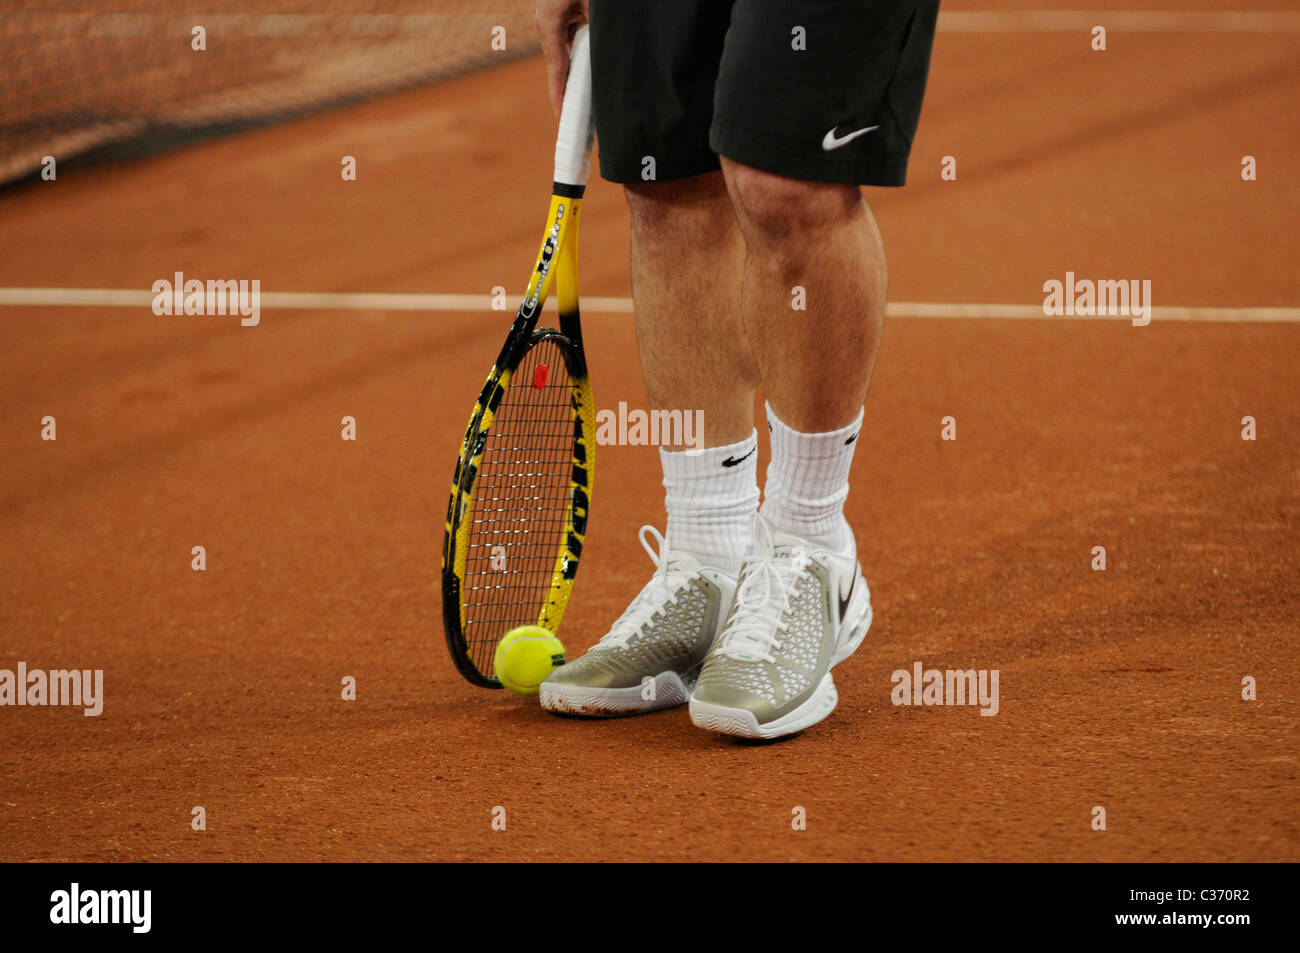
522,487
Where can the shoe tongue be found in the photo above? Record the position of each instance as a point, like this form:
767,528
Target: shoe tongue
784,546
738,648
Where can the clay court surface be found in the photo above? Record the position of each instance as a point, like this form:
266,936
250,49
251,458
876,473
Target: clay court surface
1119,689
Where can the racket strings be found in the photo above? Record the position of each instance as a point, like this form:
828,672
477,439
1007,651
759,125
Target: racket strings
520,504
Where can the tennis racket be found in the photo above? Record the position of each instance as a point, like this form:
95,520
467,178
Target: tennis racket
522,486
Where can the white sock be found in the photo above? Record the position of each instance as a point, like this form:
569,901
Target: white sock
711,496
808,481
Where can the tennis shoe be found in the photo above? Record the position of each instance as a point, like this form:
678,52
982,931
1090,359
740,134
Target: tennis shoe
651,656
797,613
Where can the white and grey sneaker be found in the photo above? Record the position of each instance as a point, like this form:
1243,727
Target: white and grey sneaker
797,613
651,656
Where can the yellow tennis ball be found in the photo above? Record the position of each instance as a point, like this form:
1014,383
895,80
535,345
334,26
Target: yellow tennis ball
526,656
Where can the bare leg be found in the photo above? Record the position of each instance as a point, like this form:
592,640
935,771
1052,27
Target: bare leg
815,363
687,261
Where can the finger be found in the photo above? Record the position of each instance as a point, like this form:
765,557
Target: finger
557,65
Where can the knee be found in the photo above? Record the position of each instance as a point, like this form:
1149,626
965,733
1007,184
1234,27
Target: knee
775,206
697,209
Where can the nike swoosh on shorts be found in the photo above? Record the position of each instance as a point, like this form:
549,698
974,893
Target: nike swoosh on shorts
830,141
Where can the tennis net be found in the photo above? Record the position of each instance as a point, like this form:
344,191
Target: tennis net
82,76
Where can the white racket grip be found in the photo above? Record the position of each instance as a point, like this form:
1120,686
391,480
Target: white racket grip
577,130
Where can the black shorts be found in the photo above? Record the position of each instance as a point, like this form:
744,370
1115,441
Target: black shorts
826,90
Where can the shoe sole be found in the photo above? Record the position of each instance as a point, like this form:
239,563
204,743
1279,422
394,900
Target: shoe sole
566,699
743,723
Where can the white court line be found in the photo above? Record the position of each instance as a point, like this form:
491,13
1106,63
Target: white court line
1123,21
360,301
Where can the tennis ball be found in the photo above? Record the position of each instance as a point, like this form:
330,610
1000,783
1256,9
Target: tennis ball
526,656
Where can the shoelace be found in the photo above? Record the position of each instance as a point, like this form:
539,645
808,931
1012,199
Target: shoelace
657,594
762,599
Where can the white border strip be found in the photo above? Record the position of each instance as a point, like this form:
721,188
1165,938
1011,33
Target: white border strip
358,301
